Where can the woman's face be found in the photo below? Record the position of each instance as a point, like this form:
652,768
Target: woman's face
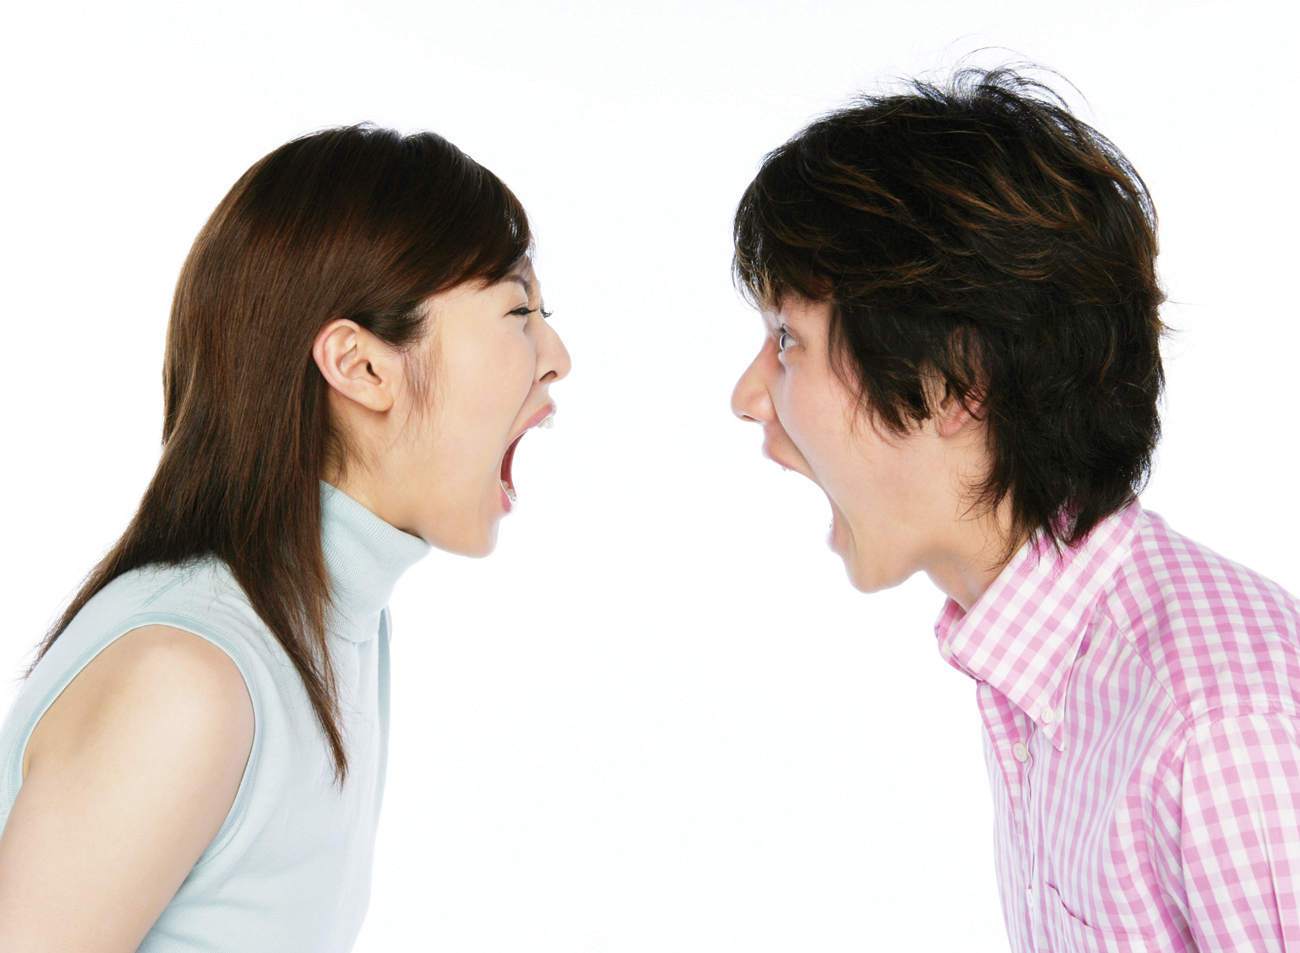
480,376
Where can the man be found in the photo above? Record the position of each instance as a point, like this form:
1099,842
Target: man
959,291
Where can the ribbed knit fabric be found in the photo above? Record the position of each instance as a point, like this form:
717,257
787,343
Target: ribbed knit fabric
289,870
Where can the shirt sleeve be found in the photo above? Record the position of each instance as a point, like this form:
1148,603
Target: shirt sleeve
1239,833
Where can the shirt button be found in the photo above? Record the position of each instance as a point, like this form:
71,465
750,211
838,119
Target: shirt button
1048,716
1020,752
945,650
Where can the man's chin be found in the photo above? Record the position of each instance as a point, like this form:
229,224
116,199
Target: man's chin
866,575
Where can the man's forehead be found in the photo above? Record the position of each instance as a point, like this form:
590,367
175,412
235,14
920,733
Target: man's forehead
792,309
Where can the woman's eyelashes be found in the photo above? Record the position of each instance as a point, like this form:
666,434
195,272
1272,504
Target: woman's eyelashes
524,311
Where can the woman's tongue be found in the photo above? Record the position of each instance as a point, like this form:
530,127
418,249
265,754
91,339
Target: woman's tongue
507,479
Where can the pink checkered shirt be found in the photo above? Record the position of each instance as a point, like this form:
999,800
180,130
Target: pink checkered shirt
1141,700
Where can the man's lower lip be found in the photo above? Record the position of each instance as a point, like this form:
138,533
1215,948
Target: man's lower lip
832,537
779,462
505,500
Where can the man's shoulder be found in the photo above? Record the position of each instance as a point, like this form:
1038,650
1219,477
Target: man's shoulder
1216,633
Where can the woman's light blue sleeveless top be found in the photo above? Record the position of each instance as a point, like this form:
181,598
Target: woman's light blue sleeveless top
289,870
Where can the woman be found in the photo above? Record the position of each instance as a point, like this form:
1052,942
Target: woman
196,760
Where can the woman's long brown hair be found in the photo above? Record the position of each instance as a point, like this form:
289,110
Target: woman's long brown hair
354,222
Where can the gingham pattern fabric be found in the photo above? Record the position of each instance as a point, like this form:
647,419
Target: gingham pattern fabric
1141,703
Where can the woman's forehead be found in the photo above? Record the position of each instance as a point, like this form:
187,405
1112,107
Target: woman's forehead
523,268
522,274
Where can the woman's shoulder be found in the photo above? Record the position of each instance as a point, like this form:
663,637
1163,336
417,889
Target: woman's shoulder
155,684
151,736
200,596
147,633
205,579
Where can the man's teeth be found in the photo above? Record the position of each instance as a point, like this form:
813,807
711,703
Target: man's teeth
510,490
548,423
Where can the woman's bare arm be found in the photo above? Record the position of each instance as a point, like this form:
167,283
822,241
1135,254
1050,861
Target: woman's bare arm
127,778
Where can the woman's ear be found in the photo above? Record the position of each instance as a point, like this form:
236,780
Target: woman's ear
357,364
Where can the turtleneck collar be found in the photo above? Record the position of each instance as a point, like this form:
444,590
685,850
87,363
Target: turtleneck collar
364,556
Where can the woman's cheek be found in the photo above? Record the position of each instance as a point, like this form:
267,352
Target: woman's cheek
517,372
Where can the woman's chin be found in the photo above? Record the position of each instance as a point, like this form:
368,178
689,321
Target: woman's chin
480,545
472,541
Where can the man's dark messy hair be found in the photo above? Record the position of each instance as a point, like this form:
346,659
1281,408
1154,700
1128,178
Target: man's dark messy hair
978,242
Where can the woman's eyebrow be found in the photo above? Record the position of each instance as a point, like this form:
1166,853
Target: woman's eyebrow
529,286
523,283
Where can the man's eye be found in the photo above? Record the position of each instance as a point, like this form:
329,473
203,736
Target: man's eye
783,338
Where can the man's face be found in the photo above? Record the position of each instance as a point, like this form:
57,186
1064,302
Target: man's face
896,501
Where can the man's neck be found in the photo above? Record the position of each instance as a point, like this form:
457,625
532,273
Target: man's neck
980,548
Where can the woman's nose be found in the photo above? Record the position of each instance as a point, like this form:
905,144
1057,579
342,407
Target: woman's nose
556,362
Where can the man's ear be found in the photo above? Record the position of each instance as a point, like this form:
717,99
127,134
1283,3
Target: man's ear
357,364
951,414
954,416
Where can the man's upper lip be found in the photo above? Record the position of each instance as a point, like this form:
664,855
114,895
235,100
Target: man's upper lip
767,451
768,442
533,421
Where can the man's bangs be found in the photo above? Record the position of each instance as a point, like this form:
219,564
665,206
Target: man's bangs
776,242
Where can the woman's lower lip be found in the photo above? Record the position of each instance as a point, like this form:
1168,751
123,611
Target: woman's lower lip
505,499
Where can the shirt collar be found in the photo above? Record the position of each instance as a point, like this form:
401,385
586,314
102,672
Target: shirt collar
364,557
1023,634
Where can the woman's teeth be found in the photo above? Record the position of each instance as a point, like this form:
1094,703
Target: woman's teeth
510,491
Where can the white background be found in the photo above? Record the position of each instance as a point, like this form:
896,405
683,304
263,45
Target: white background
658,718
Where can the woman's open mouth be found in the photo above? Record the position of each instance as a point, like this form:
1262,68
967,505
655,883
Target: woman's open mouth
507,479
541,419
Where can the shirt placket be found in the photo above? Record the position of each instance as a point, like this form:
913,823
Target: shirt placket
1012,734
1032,767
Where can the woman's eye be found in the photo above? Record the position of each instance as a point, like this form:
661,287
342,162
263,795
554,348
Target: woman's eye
783,338
524,311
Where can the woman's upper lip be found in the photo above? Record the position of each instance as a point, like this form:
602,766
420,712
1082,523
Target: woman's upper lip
533,421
